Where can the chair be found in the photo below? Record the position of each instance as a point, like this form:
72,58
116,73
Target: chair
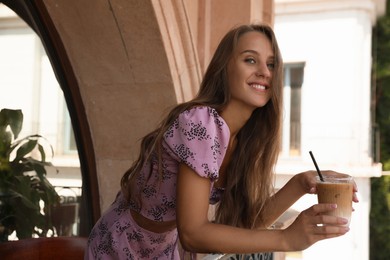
44,248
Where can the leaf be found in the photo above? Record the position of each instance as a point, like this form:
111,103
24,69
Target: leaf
34,138
42,152
37,166
25,225
51,196
22,192
25,149
13,118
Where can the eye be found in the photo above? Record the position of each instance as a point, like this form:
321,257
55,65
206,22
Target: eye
271,65
250,60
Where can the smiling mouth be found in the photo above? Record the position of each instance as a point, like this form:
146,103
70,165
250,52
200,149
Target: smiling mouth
259,87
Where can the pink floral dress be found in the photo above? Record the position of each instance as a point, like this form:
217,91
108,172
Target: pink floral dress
198,138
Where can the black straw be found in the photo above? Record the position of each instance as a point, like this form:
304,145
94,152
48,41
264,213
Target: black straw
315,164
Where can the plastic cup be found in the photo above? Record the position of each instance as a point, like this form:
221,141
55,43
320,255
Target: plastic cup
336,190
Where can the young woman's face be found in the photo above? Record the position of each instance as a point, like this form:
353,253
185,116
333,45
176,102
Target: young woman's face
250,71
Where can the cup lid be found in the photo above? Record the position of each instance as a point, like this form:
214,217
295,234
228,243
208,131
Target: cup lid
335,179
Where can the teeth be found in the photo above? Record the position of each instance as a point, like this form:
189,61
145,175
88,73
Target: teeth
258,86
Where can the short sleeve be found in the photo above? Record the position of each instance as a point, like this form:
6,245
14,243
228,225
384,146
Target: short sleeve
199,138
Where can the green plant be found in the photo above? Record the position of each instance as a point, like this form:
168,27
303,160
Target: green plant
26,196
380,187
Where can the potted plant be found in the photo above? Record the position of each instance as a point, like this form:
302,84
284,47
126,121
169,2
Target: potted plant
26,196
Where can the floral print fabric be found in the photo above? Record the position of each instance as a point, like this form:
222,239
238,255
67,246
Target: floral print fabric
198,138
117,236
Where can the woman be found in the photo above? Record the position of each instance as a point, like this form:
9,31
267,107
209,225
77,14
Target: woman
221,147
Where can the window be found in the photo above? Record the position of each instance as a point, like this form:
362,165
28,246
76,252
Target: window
70,146
293,80
28,82
54,119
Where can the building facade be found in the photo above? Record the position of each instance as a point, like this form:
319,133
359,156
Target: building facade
326,47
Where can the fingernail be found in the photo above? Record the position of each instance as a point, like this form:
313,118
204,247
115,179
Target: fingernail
345,221
334,206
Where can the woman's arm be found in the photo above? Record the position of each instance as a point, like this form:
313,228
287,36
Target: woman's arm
199,235
282,200
294,189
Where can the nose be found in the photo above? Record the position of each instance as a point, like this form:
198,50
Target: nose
263,71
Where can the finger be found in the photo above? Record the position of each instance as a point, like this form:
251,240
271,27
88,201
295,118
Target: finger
322,208
327,236
327,220
355,188
355,197
330,230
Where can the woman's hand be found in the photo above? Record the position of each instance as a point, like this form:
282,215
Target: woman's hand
312,225
307,182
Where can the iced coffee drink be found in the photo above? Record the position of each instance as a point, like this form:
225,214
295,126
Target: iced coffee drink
338,191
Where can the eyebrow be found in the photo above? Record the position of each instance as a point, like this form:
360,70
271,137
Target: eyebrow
249,51
255,52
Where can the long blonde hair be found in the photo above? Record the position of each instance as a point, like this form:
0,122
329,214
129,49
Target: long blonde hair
250,170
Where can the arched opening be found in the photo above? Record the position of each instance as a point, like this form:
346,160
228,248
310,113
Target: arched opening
33,13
